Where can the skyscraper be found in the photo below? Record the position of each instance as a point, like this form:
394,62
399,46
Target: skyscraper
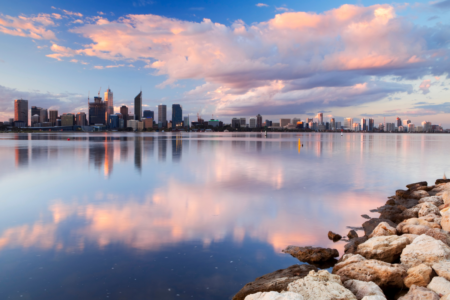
363,124
235,123
97,111
177,115
80,119
252,123
399,122
43,115
242,121
21,111
162,114
149,114
53,115
333,124
124,112
258,121
348,123
371,124
109,101
35,110
320,117
138,107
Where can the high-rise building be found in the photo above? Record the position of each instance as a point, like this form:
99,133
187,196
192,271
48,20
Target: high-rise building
348,123
338,126
363,124
371,124
43,115
177,115
399,122
21,111
124,113
97,112
252,123
258,121
235,123
35,110
308,120
411,127
243,122
80,119
284,122
113,123
333,124
162,115
35,120
53,115
295,121
356,127
268,123
406,122
426,126
67,120
138,107
149,114
320,117
381,127
186,122
109,100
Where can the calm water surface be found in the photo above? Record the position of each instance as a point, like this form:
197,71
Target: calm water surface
166,216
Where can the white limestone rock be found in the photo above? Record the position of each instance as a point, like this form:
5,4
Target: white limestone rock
442,269
274,296
347,259
363,288
384,248
440,286
374,297
419,275
419,293
428,208
436,200
383,229
424,250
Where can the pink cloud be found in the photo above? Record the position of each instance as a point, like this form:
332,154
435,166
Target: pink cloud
425,86
33,27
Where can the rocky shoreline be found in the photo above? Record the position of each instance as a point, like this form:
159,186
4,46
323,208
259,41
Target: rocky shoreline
403,255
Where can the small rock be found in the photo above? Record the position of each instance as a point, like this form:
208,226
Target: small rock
384,248
420,293
363,288
439,285
424,250
311,254
439,234
366,217
371,224
334,236
390,202
416,185
352,234
440,181
436,200
441,207
442,268
415,229
347,259
374,297
383,229
419,275
274,296
352,246
428,208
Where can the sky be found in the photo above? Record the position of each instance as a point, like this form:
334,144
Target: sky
225,59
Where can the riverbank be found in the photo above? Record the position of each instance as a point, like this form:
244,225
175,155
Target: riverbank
403,254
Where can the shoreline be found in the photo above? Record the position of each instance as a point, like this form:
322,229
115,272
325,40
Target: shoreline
403,254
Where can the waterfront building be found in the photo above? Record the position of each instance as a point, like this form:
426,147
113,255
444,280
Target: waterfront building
149,114
295,121
406,122
426,126
43,115
333,124
124,113
399,122
138,106
52,116
148,123
243,122
348,123
419,129
381,127
356,127
113,123
35,110
258,121
162,115
186,121
109,100
363,124
390,127
371,124
284,122
308,120
177,115
338,126
136,125
268,123
411,127
97,112
67,120
252,123
400,128
235,123
321,127
80,119
215,123
21,111
35,120
320,117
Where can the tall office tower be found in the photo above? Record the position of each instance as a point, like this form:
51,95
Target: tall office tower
309,120
80,119
399,122
177,115
162,115
34,120
235,123
363,124
67,120
21,111
426,126
333,124
43,115
268,123
320,117
35,110
109,101
381,127
284,122
124,112
406,122
258,121
348,123
97,111
371,124
411,127
252,123
243,122
186,122
138,107
356,127
149,114
53,115
295,121
338,126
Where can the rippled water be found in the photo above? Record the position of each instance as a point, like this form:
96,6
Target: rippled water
166,216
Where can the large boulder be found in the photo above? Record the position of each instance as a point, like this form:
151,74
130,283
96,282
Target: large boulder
311,254
276,281
391,212
412,212
439,234
411,237
424,250
346,260
274,296
374,297
363,288
428,208
436,200
321,285
442,269
419,293
445,221
386,276
414,229
418,194
417,225
383,229
384,248
419,275
352,246
371,224
439,285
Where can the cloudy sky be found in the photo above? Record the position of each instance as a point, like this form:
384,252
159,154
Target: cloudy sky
233,58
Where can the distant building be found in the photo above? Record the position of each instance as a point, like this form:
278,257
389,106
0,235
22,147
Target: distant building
80,119
124,112
356,127
67,120
381,127
43,115
426,126
235,123
406,122
21,111
35,120
136,125
320,117
35,110
186,121
53,115
109,101
348,123
338,126
177,115
113,123
411,127
371,124
333,124
243,122
214,123
97,112
148,123
258,121
149,114
284,122
162,115
268,123
138,106
363,124
252,123
399,122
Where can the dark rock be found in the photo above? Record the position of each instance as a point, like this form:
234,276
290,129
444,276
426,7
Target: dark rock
311,254
391,212
390,202
439,181
406,202
366,217
352,246
355,228
352,234
416,185
334,236
276,281
426,188
401,193
370,225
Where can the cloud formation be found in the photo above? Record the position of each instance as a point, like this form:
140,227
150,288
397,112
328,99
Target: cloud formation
32,27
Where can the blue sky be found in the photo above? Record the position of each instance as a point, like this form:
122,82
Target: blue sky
231,58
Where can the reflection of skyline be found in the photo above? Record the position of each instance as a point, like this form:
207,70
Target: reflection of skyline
162,148
177,146
138,153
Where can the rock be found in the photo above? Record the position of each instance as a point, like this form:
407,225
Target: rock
424,250
391,212
420,293
320,285
390,202
384,248
436,200
431,220
366,217
374,297
383,229
363,288
386,276
419,275
274,296
446,297
416,185
426,188
346,260
439,234
445,221
439,181
334,236
408,226
276,281
415,229
411,237
311,254
442,269
441,207
418,194
352,234
401,193
428,208
371,224
352,246
409,213
439,285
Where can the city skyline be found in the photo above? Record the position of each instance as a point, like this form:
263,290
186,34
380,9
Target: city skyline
391,60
